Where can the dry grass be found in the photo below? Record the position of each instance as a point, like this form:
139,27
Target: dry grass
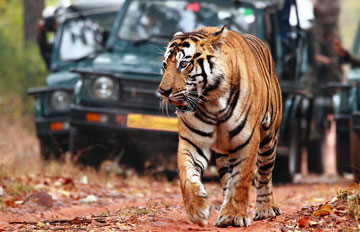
21,160
351,199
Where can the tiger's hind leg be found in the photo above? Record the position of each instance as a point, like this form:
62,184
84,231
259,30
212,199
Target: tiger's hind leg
265,206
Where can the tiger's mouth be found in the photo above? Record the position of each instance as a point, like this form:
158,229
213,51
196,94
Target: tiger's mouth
178,103
182,103
184,106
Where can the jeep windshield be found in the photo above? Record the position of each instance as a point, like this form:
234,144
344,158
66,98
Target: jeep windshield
83,36
150,21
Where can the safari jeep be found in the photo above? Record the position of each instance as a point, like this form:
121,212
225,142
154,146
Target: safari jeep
115,108
82,28
347,116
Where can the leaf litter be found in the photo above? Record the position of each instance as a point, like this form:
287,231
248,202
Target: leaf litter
47,196
340,214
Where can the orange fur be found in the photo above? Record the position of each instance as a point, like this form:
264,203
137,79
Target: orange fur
229,104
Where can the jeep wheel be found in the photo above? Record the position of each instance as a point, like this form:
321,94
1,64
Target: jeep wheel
85,148
286,166
281,172
315,155
50,149
343,162
355,154
295,149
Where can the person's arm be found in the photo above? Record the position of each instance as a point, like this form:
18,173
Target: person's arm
346,56
351,59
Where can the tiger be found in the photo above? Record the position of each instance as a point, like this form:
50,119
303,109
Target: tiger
229,106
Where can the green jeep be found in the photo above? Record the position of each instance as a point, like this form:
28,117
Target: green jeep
347,116
82,29
115,106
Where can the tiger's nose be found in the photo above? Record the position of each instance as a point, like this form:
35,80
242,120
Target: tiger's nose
164,92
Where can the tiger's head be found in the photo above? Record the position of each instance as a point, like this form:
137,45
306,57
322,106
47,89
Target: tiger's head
191,73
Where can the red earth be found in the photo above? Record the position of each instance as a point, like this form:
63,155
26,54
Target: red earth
68,202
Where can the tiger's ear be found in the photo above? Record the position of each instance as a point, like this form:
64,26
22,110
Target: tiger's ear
218,37
178,33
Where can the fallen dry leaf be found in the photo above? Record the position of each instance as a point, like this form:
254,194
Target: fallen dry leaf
326,209
304,222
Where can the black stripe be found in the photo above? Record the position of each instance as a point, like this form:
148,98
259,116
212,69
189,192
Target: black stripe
239,128
244,144
182,51
267,166
192,63
268,152
218,155
231,107
199,151
213,86
206,114
197,55
203,73
193,39
199,168
204,120
237,163
197,34
199,132
264,195
223,171
266,140
228,101
263,173
208,57
195,163
262,201
185,44
263,182
236,173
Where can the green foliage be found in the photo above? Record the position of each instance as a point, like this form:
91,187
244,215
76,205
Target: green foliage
21,66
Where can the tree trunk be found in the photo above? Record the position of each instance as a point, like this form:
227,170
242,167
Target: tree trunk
32,13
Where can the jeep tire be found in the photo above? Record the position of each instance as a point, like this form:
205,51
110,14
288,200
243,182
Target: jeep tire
49,149
343,161
85,147
316,155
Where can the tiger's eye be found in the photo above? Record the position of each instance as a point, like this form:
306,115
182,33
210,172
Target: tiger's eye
183,64
164,65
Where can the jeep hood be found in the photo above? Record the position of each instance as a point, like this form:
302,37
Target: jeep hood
129,62
65,77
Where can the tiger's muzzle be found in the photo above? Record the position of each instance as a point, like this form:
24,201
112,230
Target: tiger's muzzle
180,101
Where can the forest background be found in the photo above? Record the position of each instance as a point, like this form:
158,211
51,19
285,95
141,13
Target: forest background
22,67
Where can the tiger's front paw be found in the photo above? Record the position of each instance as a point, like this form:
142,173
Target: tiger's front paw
266,211
229,220
197,204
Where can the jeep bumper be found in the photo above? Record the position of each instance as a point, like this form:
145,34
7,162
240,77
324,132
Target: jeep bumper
49,127
118,126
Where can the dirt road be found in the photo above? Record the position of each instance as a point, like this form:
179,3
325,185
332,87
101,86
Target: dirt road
59,196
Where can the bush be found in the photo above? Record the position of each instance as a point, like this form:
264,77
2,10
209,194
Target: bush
21,65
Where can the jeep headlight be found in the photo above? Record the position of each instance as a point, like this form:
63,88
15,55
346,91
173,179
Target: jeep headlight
104,88
60,100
